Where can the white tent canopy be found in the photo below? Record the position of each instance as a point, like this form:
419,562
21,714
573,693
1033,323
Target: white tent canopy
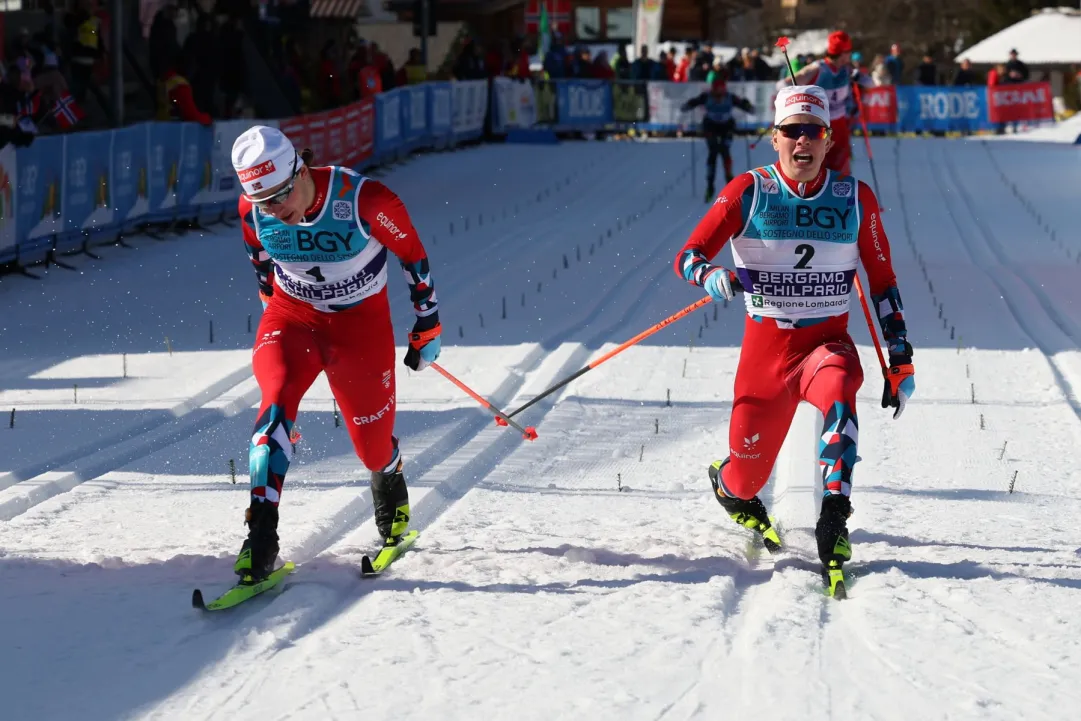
1049,37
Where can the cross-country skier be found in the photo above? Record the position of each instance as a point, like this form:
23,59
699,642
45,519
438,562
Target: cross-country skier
718,125
318,238
798,232
834,74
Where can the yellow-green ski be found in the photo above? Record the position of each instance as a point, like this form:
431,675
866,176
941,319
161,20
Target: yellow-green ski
242,592
387,555
837,582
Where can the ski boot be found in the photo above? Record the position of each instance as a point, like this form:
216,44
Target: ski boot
749,514
710,191
260,550
831,533
390,497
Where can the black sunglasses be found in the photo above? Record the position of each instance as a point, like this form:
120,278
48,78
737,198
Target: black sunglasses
281,196
793,131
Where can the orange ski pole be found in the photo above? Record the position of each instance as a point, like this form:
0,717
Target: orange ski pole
614,352
871,325
529,433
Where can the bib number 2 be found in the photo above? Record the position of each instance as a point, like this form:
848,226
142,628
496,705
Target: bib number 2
807,252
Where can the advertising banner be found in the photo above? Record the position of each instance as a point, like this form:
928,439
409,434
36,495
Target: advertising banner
130,183
414,115
468,107
630,102
1020,102
941,109
85,193
584,103
164,151
193,183
388,123
879,106
38,201
514,104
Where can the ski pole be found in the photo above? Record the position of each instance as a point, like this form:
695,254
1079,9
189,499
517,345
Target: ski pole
866,136
529,433
617,350
871,326
782,43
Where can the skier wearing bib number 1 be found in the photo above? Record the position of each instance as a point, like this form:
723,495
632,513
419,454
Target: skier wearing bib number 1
318,238
834,75
798,233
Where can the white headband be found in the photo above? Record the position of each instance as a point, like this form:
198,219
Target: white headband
802,100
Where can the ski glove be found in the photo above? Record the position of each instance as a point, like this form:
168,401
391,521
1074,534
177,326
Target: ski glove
719,285
900,384
423,347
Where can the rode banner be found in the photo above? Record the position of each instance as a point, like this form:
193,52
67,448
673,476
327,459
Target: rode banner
1023,101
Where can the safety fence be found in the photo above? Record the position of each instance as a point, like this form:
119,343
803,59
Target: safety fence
66,193
656,106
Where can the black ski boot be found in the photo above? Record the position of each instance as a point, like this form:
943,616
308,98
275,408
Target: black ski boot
710,192
831,533
750,514
390,497
260,550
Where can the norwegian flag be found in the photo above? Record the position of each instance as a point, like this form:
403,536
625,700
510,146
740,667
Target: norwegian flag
67,111
559,16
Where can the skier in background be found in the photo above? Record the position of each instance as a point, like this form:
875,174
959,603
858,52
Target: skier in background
798,233
718,126
318,238
834,74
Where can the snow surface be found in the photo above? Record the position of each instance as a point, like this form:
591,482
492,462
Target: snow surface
1047,37
588,575
1068,131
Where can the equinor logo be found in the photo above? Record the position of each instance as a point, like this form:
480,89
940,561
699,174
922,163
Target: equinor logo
585,103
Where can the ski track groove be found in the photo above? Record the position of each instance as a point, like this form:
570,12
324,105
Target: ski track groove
1069,392
186,424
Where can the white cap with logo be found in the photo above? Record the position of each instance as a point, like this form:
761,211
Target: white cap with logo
263,158
802,100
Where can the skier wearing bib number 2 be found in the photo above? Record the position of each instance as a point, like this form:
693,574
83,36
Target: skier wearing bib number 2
318,238
798,233
834,75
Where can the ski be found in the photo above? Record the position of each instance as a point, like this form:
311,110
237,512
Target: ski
837,582
387,555
242,592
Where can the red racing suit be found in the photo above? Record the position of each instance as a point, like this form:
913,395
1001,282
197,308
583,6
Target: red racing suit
783,361
352,342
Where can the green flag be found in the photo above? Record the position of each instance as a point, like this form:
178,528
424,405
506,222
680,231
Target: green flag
544,30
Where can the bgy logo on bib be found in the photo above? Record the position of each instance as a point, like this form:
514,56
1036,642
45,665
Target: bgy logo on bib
822,217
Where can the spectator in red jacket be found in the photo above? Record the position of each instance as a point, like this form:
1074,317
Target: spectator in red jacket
181,101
